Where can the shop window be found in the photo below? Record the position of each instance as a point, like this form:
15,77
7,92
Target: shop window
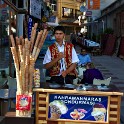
67,12
53,4
53,7
53,1
20,3
14,2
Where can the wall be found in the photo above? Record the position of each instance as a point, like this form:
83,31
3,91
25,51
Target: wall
73,4
66,3
114,18
103,4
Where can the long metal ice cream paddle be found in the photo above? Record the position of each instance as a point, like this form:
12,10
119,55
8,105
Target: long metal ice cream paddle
64,81
63,69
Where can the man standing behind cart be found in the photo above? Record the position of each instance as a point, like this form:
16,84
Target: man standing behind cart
73,38
61,59
84,57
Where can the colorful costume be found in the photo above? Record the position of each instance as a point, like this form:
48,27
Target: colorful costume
68,58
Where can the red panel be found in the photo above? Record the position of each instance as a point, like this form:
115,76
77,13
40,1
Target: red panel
93,4
109,49
104,39
121,48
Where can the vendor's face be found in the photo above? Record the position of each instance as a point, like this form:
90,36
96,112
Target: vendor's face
59,35
83,52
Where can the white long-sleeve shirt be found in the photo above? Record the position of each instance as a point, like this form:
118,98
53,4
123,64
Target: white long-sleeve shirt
47,57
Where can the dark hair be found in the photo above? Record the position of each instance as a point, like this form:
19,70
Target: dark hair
90,65
59,28
3,74
83,49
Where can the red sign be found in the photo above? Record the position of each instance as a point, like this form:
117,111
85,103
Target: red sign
93,4
3,5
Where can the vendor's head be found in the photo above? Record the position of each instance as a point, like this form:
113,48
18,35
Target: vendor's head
59,33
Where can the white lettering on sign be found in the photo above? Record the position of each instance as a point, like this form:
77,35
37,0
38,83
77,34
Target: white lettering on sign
78,99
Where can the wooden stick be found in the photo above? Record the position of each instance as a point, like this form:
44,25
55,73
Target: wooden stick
21,38
38,38
31,72
22,76
33,36
13,50
22,68
17,48
41,44
37,42
12,40
37,53
23,42
27,45
17,41
26,75
42,38
15,57
35,25
24,54
20,53
31,39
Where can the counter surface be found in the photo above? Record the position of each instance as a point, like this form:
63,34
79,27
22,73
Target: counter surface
109,90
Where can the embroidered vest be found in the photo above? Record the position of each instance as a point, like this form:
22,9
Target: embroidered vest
55,70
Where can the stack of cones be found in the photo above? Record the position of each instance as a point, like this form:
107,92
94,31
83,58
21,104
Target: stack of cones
25,54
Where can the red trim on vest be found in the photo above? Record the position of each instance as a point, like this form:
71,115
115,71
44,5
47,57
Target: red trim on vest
55,70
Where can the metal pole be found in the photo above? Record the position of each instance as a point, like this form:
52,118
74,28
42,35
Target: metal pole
10,55
103,25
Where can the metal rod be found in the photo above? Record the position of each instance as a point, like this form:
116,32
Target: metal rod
64,81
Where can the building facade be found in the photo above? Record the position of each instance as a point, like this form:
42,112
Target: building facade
111,21
67,12
3,23
113,17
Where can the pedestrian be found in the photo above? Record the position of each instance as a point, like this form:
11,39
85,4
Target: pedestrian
90,73
84,57
73,38
61,59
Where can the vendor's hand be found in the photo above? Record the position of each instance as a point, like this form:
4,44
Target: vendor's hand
64,73
61,55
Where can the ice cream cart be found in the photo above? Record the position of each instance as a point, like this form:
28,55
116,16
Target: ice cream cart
71,106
